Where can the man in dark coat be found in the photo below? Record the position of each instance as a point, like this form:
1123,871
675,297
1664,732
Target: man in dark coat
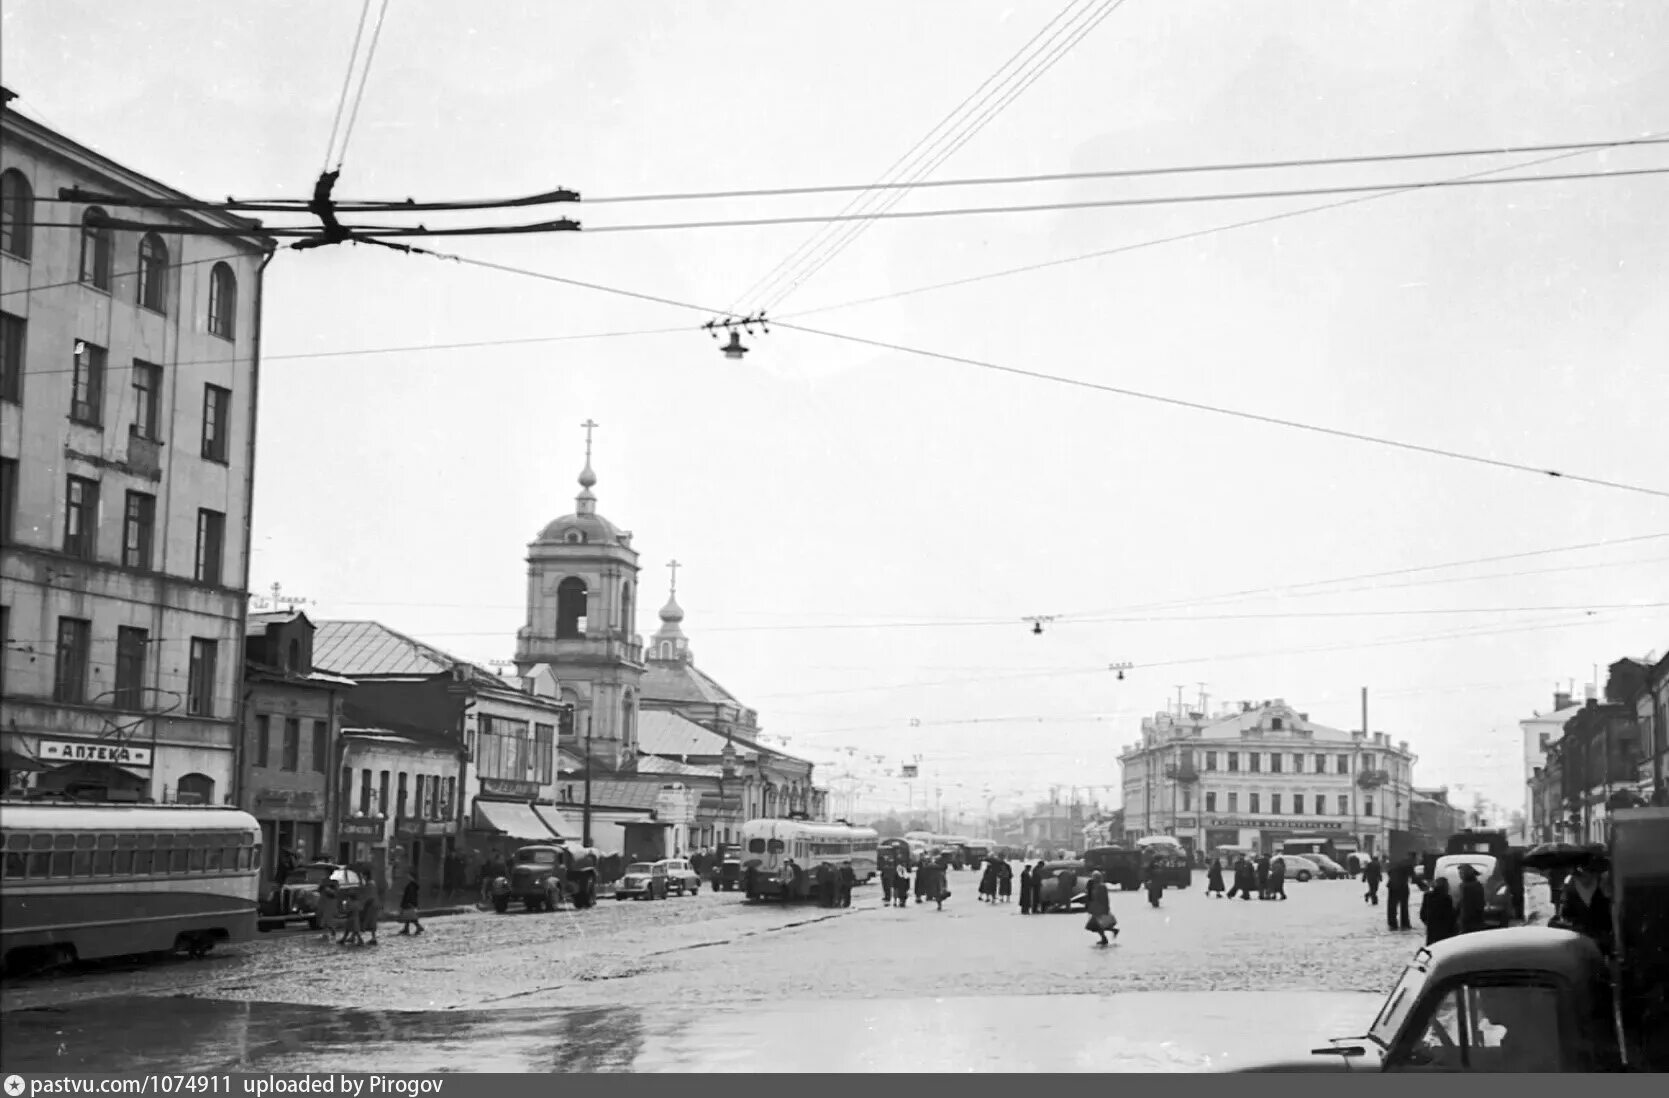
825,885
1263,876
1398,886
1277,879
1437,911
1026,890
1472,901
845,881
1371,875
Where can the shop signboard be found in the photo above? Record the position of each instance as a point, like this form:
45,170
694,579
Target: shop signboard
116,754
1273,822
510,787
365,831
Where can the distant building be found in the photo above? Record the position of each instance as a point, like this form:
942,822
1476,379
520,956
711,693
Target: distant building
1262,773
1432,819
1540,731
128,371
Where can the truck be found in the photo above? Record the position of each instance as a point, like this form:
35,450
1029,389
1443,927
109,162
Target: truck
1535,998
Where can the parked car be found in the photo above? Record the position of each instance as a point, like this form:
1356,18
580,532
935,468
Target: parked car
643,881
681,878
1299,867
1330,869
297,899
1498,904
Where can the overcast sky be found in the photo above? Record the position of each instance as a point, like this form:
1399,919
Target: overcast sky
853,520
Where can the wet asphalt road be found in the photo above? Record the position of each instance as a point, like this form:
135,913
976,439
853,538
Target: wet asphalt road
698,983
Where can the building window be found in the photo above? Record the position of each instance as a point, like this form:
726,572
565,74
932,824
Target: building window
1297,764
1274,804
1254,761
420,791
292,744
17,214
1367,806
1252,803
1344,804
626,610
13,330
199,700
131,648
382,792
1187,801
69,682
153,273
8,499
1211,760
400,798
1298,804
223,301
217,408
95,248
1367,761
1344,764
1276,724
345,794
138,530
364,792
1234,802
321,746
263,740
81,517
147,399
1234,761
1211,802
195,789
87,392
1321,764
211,538
570,609
1274,762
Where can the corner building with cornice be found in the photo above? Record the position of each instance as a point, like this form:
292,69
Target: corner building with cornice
581,596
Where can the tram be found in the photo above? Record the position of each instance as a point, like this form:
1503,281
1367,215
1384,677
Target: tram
85,881
768,844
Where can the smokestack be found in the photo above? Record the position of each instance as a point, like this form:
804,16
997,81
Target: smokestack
1561,700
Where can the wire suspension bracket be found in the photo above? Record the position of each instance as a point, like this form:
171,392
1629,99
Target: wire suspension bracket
736,325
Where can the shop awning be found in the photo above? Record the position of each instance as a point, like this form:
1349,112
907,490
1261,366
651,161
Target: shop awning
549,818
12,760
513,820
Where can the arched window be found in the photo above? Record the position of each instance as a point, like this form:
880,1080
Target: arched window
195,789
17,214
570,608
153,273
95,248
223,301
628,722
626,609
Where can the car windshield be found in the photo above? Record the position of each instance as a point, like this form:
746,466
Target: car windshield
535,857
310,875
1400,1001
640,867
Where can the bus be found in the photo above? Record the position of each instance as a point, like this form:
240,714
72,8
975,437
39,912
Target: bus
768,844
932,845
1311,844
85,881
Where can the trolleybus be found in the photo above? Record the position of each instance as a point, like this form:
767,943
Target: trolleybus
768,845
85,881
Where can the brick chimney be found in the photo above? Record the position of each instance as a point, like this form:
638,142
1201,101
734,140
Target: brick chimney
1561,700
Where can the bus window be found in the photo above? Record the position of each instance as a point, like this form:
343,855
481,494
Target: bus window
774,846
102,860
122,864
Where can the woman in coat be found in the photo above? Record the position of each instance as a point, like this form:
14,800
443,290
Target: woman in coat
1038,878
1437,911
408,908
1214,879
1005,882
988,882
1026,890
1100,909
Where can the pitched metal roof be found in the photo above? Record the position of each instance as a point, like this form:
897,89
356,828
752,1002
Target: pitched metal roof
664,732
683,681
369,649
655,764
255,625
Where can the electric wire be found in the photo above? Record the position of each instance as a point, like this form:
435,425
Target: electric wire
795,255
347,82
365,78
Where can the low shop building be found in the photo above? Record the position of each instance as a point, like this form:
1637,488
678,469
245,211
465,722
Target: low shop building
399,805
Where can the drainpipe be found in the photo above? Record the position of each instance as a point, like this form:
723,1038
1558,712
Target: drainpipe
240,728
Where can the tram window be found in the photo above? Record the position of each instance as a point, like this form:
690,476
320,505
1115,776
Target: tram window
127,842
16,863
40,863
83,863
107,842
195,863
142,863
63,842
178,860
122,866
86,842
101,862
40,842
62,862
215,854
242,858
164,840
17,841
756,846
774,846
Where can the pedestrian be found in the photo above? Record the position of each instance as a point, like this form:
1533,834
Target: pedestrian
1470,909
1263,876
1353,865
1245,879
885,869
1437,911
1278,879
1214,879
1585,906
824,879
491,872
1038,877
1005,882
923,872
1155,883
1371,876
1066,889
1025,890
847,879
408,908
1399,885
988,882
901,883
1099,906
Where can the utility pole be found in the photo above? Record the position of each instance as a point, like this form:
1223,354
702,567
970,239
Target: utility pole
590,761
1179,704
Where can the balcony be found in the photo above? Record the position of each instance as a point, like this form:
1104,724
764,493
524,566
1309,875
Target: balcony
144,456
1373,779
1182,774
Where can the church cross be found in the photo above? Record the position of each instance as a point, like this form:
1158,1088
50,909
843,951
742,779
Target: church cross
674,566
588,425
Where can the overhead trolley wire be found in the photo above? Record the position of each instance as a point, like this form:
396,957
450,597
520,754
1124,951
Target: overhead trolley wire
347,82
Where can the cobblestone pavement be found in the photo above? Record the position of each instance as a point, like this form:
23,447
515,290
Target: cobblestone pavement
716,948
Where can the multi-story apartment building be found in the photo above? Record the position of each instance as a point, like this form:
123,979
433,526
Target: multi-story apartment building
128,372
1262,773
1540,731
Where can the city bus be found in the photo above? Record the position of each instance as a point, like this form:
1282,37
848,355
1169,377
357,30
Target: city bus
769,843
86,881
1311,844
